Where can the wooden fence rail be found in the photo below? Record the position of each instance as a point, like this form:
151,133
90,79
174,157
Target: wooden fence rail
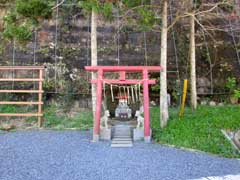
39,102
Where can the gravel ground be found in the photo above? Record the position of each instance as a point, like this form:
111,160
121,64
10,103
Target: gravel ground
48,155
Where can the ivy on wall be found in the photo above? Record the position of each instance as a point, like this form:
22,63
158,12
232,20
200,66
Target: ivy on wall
24,17
13,31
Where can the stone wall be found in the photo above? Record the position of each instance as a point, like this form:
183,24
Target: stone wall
65,50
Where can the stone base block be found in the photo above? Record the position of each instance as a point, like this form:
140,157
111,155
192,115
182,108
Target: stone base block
105,134
95,138
138,134
147,139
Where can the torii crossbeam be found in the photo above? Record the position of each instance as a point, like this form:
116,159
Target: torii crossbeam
122,80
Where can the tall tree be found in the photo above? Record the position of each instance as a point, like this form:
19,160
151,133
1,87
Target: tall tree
198,9
147,19
93,56
193,62
95,7
163,74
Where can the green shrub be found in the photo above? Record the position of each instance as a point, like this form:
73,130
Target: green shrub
231,83
236,93
34,9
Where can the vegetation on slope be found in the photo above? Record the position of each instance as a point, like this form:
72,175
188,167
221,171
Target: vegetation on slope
200,129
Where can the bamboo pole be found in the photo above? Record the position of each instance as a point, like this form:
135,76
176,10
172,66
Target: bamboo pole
40,98
20,91
20,114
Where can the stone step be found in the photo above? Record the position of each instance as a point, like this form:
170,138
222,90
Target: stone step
122,142
121,136
121,145
125,130
122,139
128,131
122,127
120,130
122,133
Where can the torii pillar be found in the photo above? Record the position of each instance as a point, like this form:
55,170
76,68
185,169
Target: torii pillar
123,81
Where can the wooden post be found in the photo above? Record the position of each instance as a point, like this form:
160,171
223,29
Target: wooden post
40,98
96,130
39,103
185,86
147,133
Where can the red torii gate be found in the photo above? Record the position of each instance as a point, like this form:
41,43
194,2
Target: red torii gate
122,80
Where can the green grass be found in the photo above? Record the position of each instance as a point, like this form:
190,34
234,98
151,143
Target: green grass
8,109
199,130
81,121
54,120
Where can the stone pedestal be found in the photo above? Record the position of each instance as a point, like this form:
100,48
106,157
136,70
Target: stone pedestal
105,133
95,138
138,134
147,139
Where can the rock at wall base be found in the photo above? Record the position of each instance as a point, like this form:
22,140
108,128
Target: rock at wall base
212,103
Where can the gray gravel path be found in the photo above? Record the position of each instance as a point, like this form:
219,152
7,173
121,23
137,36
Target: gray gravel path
47,155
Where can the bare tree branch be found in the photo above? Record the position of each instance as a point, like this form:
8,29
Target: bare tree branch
59,4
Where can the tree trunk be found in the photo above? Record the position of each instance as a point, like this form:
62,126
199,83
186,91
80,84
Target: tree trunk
163,74
94,57
237,7
193,63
